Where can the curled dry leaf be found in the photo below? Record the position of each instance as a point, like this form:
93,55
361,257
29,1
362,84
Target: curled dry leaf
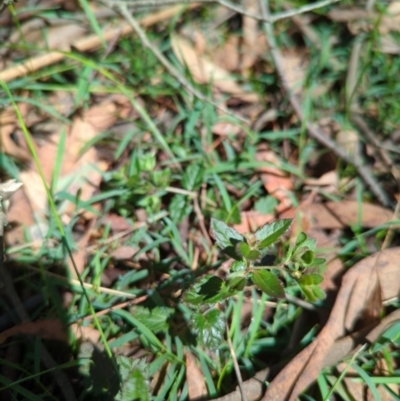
356,300
8,188
204,71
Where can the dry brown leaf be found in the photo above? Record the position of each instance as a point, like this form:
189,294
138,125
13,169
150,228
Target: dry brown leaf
79,256
50,329
35,191
327,179
389,45
8,146
227,56
332,215
124,252
85,333
348,140
294,67
391,20
117,223
59,37
205,71
224,128
19,212
359,286
194,378
83,170
251,221
276,182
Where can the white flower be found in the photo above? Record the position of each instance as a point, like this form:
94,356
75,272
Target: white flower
8,188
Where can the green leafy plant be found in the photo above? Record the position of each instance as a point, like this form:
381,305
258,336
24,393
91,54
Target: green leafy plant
253,264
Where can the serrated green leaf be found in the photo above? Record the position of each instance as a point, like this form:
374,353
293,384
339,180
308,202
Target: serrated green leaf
300,239
191,295
134,380
226,237
268,283
270,233
207,291
311,279
209,328
156,319
211,287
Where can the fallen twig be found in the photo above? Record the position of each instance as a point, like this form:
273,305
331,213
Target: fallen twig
230,6
88,43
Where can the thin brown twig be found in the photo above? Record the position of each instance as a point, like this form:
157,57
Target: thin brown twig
235,365
313,131
121,305
230,6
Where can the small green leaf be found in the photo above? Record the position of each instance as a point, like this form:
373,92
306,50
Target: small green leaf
226,237
269,283
307,257
243,248
253,255
318,261
319,293
270,233
313,293
236,283
238,266
301,238
308,292
311,279
209,328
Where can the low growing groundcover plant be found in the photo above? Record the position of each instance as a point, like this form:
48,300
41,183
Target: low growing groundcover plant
253,264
